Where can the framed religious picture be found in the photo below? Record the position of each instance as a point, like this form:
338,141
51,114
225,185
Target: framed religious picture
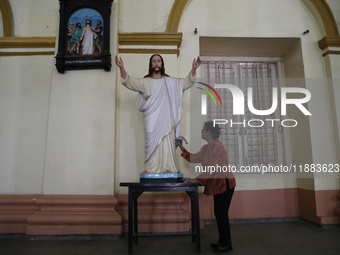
84,35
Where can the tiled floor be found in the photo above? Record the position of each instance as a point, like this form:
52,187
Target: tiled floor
248,239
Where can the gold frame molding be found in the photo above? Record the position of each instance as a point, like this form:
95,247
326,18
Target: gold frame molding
327,17
25,53
7,18
175,15
329,41
159,39
333,52
150,51
172,39
28,42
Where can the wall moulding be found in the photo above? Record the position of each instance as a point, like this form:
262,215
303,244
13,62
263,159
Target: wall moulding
7,18
27,42
153,39
327,17
107,214
329,41
26,53
331,52
337,208
175,15
149,51
158,212
14,211
75,214
169,39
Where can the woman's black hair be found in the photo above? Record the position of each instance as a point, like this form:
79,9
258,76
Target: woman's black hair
162,69
215,131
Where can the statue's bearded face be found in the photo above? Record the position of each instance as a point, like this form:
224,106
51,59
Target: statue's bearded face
156,64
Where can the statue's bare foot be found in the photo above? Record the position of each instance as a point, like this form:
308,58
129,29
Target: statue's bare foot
145,172
167,171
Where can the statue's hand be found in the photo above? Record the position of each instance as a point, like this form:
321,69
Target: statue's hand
119,62
196,63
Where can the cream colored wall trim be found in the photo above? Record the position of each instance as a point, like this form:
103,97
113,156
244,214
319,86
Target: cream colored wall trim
150,39
175,15
27,42
150,51
327,17
26,53
7,18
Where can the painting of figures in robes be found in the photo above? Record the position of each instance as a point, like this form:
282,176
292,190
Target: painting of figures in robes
85,33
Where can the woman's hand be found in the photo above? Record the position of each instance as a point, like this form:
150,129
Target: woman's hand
179,144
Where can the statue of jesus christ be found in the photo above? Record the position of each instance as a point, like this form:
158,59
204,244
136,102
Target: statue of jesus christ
160,100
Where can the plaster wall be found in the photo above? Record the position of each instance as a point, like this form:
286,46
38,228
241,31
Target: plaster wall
144,16
81,127
35,17
24,106
80,132
57,130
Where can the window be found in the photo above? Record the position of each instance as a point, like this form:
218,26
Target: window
249,139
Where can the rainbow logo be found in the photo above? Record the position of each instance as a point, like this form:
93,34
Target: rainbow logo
209,93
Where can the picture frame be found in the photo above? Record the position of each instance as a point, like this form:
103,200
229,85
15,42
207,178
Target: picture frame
84,35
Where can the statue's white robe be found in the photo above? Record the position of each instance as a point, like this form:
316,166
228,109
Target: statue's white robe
88,43
160,100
